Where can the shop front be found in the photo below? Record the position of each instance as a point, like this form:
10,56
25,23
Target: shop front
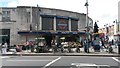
48,37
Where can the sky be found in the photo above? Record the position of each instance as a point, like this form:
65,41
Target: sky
102,11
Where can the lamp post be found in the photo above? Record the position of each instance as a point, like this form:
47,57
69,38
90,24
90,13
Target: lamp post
106,32
117,24
106,29
37,22
87,30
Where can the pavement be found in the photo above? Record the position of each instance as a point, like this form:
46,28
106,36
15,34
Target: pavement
63,54
82,53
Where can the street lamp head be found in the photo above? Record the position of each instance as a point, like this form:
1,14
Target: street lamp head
86,4
39,9
114,22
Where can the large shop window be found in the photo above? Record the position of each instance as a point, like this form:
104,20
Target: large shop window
62,24
74,25
5,16
47,23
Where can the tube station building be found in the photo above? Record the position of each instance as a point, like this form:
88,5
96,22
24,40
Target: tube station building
26,23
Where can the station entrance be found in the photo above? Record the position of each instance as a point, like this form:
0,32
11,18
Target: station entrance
5,36
60,39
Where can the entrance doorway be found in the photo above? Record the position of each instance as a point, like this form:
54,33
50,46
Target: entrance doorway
5,36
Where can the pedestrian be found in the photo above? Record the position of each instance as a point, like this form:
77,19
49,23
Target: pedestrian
31,46
54,47
0,48
4,48
69,47
28,46
86,46
18,48
96,45
112,42
101,47
78,47
116,43
92,45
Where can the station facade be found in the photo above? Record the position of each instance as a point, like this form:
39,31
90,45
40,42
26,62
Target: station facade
26,23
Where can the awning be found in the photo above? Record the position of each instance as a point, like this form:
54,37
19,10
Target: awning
49,33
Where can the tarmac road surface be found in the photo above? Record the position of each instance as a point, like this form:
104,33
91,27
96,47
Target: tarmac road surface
59,61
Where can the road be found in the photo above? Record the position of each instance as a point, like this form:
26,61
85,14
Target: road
58,61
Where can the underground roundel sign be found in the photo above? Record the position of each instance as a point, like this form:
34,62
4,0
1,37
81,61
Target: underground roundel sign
62,24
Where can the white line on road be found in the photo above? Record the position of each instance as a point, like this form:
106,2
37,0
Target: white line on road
52,62
37,56
28,60
4,57
116,59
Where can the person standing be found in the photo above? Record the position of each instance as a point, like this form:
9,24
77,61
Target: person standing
4,48
96,45
86,46
0,48
69,47
101,47
116,43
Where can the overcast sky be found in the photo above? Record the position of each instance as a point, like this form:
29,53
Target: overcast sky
105,11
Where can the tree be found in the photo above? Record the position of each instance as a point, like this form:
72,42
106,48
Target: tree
96,28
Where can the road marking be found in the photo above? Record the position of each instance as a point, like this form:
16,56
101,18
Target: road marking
4,57
52,62
88,65
85,57
37,56
116,59
28,60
